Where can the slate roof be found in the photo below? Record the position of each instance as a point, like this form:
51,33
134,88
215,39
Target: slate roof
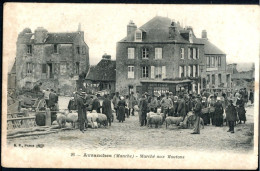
105,70
157,30
211,49
61,37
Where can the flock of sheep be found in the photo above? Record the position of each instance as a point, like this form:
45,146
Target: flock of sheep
95,120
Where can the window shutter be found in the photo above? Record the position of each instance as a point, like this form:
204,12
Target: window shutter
194,53
163,72
185,74
152,71
180,71
188,53
194,70
160,53
198,53
189,71
198,68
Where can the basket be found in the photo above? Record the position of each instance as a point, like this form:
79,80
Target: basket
212,109
205,110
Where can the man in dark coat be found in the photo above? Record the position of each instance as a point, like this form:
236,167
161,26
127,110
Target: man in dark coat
231,116
241,109
197,111
218,112
251,96
96,104
52,99
144,109
106,109
72,104
181,111
80,106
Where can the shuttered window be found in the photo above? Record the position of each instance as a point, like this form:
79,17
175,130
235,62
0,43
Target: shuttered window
130,71
152,72
131,53
163,72
158,53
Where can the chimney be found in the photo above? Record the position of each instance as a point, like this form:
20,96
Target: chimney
173,30
131,27
79,27
40,35
204,34
106,57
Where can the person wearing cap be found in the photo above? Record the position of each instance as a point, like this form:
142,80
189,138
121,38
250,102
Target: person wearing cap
106,109
241,109
166,104
121,109
81,106
72,104
154,104
219,112
205,116
231,116
52,98
181,111
115,102
132,103
96,103
143,105
197,111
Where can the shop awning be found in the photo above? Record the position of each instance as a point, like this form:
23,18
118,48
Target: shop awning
166,81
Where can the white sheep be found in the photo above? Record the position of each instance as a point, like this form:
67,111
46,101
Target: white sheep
61,120
173,120
154,119
71,118
92,117
102,119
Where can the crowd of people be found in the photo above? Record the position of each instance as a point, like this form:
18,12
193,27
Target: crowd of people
213,108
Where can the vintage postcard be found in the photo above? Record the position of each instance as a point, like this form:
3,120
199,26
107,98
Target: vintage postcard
130,86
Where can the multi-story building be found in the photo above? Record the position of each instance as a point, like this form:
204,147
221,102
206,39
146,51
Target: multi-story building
159,57
218,76
57,60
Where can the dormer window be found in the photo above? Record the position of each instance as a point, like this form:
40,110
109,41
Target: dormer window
138,36
190,37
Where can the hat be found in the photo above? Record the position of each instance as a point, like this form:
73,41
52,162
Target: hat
83,93
122,98
218,98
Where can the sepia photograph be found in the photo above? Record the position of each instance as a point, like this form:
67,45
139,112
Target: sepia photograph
141,86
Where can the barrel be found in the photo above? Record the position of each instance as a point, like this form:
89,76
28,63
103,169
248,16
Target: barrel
40,119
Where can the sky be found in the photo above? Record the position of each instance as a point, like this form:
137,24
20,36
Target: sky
234,29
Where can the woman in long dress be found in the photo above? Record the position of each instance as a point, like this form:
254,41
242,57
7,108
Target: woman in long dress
241,109
121,109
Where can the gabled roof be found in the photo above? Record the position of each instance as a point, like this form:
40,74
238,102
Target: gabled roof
105,70
211,49
61,37
157,30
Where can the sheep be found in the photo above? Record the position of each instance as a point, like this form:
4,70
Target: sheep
189,121
95,125
61,120
173,120
154,119
102,119
71,118
92,117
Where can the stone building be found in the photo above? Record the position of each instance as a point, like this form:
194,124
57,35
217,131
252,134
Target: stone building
159,57
57,60
102,77
218,76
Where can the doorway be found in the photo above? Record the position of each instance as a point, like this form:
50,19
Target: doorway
49,70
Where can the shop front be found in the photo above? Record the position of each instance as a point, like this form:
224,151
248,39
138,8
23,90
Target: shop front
161,87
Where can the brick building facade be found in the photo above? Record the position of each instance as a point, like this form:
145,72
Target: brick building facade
159,57
57,60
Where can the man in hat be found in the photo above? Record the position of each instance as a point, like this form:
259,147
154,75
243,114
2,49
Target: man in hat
46,95
106,108
115,101
96,103
143,105
197,112
81,106
231,116
181,111
166,104
132,103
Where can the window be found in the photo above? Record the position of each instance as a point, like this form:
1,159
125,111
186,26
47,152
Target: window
198,53
131,52
195,68
29,49
219,61
63,68
208,79
194,53
29,68
213,79
130,71
77,68
181,71
213,61
55,48
44,68
208,61
158,53
189,53
78,50
145,72
138,36
182,53
191,71
219,79
158,72
145,53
